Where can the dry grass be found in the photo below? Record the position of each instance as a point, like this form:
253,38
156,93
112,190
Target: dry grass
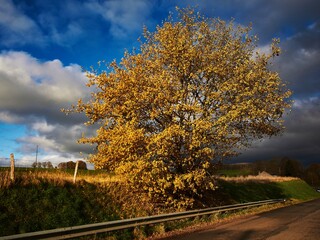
54,176
100,178
24,178
61,177
262,177
5,179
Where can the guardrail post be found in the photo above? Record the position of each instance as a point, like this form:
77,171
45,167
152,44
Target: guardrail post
12,167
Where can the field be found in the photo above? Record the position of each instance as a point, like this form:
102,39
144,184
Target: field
41,199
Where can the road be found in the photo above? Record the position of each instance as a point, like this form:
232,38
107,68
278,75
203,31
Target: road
301,221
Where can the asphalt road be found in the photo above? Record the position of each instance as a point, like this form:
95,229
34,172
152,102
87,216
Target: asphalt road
301,221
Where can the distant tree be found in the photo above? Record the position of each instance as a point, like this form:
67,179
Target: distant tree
82,165
49,164
62,165
280,166
34,164
72,165
66,165
195,93
271,166
291,168
312,174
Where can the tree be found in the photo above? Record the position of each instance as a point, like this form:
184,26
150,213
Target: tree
34,164
312,174
193,95
67,165
37,165
291,168
82,165
43,164
48,165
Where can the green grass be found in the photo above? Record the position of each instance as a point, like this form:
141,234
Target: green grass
42,199
298,189
249,191
47,206
254,191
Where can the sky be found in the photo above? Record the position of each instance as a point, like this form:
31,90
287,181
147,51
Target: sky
45,46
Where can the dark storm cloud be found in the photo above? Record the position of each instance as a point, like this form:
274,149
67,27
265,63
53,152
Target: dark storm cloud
300,139
270,18
300,61
297,23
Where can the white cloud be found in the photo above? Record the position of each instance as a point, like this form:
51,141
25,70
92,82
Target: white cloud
39,87
6,116
72,33
17,28
55,159
29,143
124,16
42,126
54,140
265,49
33,92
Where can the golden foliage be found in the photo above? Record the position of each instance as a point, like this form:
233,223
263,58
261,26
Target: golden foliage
194,94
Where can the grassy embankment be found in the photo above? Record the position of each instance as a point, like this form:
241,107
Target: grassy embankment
42,199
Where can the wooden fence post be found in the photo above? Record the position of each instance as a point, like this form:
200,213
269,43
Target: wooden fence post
75,172
12,167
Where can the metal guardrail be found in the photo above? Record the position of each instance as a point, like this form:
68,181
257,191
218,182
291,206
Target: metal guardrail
90,229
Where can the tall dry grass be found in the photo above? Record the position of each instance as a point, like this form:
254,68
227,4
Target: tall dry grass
56,177
261,177
5,180
28,177
100,178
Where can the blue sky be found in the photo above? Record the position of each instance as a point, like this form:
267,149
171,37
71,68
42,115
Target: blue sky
45,44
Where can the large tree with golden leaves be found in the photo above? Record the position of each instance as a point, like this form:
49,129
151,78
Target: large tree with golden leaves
195,93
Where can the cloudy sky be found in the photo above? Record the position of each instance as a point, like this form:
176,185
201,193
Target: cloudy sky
45,45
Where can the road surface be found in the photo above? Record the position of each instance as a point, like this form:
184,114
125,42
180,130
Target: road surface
301,221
